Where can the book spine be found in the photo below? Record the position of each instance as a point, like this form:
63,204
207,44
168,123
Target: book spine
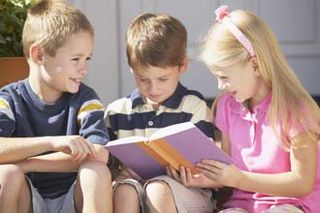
169,155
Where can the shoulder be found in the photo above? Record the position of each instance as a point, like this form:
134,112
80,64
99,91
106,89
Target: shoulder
192,98
85,92
12,92
120,106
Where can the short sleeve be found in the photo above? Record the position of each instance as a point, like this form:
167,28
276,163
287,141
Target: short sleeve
91,121
7,119
221,116
201,114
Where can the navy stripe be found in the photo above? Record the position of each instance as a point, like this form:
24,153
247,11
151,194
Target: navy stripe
206,127
140,120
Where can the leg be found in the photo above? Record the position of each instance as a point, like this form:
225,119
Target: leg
164,194
14,191
93,190
159,197
128,197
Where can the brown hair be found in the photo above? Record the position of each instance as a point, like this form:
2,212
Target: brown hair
50,23
156,39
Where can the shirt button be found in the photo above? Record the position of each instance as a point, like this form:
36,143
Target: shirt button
150,123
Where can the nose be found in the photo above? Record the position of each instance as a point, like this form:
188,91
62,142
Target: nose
83,68
153,88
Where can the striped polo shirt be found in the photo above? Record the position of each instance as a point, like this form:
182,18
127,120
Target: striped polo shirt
131,115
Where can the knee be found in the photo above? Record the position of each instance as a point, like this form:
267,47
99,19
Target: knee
95,169
11,177
156,188
124,189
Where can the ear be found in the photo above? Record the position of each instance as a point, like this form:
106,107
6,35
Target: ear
254,63
184,66
36,54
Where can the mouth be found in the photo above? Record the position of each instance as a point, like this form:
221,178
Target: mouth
76,80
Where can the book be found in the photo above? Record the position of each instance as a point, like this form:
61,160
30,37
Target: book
179,144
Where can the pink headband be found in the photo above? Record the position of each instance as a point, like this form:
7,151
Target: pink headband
222,12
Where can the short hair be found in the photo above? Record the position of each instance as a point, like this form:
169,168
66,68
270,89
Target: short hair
156,39
50,23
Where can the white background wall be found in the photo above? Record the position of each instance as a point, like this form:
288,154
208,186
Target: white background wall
297,27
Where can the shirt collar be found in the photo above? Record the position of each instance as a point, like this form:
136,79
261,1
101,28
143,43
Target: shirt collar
172,102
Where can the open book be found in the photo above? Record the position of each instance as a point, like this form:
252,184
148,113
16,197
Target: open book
179,144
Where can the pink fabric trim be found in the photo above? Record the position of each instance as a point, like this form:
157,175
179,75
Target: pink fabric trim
222,12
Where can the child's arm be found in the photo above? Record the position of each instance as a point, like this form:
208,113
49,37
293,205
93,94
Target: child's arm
60,162
295,183
17,149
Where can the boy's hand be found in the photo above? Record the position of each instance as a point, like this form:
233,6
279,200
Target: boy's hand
74,145
223,174
185,177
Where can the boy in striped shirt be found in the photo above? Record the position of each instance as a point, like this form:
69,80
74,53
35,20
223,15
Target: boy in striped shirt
156,52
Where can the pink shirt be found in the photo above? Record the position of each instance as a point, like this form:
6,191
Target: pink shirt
255,147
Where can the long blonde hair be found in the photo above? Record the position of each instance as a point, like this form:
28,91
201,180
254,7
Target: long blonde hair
290,99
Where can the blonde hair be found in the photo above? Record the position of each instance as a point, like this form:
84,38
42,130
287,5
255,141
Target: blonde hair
156,39
50,23
290,100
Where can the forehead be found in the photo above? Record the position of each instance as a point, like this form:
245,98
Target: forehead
79,42
154,72
228,70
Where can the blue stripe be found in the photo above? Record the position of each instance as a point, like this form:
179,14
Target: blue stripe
206,127
140,120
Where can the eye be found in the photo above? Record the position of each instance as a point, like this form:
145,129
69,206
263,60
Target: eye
223,78
142,79
163,79
88,59
75,59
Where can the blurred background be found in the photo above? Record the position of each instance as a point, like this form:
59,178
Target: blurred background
296,24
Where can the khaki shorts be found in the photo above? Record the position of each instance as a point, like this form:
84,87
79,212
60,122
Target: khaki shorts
191,200
62,204
187,199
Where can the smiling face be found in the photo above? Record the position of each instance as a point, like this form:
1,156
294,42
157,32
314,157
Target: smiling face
242,81
65,71
156,84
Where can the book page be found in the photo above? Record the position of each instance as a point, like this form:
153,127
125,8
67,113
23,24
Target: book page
170,130
126,140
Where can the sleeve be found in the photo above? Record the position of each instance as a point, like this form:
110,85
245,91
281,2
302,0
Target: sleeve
202,116
112,134
90,119
7,118
221,116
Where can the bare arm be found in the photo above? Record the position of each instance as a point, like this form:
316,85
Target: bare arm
60,162
18,149
295,183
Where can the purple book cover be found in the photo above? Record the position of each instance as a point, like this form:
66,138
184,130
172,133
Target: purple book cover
188,141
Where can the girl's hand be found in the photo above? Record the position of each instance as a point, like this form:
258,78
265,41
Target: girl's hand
220,173
185,177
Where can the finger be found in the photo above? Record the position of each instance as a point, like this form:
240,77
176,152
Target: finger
92,151
183,176
168,172
188,175
209,167
213,163
174,173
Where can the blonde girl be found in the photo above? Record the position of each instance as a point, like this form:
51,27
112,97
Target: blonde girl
269,122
